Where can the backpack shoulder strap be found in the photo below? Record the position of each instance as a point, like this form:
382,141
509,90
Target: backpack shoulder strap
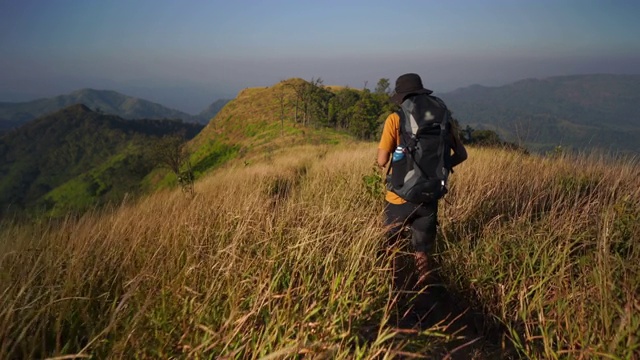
403,127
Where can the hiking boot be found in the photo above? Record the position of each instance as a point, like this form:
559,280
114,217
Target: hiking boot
422,268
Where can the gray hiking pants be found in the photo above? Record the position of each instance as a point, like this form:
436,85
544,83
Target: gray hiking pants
422,219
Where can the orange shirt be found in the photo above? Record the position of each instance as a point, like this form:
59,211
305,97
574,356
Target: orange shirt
388,142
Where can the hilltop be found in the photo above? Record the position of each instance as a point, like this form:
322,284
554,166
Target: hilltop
262,120
580,112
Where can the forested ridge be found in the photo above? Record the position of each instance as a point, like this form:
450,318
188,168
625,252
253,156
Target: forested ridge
47,152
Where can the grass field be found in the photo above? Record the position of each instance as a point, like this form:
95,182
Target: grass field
550,247
281,258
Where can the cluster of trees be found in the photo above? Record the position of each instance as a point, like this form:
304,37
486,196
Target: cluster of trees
359,112
486,138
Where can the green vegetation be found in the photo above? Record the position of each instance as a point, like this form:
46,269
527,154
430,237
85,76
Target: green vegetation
485,138
109,182
94,158
211,155
297,111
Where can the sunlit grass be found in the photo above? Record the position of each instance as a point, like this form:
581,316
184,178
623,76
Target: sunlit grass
550,247
280,257
276,258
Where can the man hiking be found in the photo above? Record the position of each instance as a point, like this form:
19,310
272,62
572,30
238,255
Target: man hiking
421,139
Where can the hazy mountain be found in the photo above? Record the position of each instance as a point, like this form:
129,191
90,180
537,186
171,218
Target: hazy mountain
211,111
72,143
582,111
104,101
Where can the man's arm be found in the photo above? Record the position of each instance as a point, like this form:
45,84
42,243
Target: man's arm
383,157
459,151
388,141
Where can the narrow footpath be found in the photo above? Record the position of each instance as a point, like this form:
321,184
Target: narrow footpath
433,306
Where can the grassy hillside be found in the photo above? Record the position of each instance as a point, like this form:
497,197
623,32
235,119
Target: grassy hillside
264,116
282,258
550,247
580,112
257,123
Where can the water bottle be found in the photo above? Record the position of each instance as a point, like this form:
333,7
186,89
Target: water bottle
398,154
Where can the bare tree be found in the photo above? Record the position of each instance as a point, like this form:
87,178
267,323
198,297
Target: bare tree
282,101
300,91
522,129
170,152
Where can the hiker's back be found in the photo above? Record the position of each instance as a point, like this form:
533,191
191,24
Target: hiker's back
421,175
423,131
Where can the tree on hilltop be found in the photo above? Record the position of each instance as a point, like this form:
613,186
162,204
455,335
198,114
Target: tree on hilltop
383,87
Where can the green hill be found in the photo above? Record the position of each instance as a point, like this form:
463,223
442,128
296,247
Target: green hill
260,121
103,153
582,111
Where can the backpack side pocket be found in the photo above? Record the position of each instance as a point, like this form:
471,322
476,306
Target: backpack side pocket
398,172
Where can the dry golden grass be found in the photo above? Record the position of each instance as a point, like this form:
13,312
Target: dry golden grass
280,259
550,247
265,259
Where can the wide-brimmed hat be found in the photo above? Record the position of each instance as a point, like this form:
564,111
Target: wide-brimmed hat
408,84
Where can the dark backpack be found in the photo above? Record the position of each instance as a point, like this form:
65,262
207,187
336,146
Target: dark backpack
420,176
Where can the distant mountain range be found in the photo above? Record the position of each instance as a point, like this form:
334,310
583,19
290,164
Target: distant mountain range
579,112
102,101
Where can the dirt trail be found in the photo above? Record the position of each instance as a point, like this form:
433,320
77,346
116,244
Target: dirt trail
433,306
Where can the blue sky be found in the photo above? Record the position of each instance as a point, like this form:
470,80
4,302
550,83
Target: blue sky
186,54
